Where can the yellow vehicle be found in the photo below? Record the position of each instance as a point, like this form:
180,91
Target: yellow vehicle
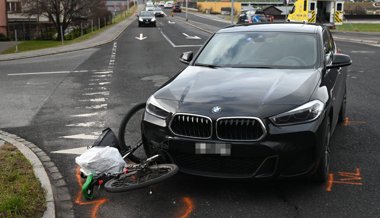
317,11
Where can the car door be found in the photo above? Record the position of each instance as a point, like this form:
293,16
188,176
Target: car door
332,77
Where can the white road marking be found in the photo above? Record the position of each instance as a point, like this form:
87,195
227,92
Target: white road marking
106,93
89,114
39,73
171,22
94,100
100,106
141,37
100,76
99,83
97,88
87,124
363,52
77,151
190,37
103,72
81,136
177,46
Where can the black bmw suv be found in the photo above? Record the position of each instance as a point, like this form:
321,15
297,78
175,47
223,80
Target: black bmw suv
257,101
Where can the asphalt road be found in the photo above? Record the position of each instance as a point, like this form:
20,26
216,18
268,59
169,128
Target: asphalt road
76,95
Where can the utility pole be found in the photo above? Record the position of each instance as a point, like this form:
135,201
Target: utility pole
187,5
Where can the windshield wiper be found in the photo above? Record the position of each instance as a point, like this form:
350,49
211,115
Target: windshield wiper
207,65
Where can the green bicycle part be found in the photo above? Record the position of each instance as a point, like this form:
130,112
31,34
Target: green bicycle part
88,187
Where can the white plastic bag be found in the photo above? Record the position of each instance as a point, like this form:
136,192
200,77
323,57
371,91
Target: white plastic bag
99,160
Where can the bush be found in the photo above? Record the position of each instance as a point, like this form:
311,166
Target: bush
3,37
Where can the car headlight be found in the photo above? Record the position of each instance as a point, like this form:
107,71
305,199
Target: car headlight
153,19
302,114
155,109
140,19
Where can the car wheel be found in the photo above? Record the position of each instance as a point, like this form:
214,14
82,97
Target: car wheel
322,172
139,24
342,112
154,24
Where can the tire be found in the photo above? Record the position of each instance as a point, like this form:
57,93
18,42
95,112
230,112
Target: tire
342,112
322,172
130,133
141,179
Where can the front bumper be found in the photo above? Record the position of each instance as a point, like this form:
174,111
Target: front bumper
284,152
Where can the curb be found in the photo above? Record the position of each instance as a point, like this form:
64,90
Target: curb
40,162
128,21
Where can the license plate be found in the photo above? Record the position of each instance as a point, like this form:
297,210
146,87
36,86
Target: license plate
213,148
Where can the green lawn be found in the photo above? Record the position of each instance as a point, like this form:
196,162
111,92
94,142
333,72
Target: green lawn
359,27
21,194
41,44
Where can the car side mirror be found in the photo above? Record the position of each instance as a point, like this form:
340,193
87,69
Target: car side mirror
186,57
340,60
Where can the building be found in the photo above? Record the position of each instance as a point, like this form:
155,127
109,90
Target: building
3,18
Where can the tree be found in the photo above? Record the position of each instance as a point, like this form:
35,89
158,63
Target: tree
62,12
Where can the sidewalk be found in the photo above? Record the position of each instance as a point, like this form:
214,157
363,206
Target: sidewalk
105,37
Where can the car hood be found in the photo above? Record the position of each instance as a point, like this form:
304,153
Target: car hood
238,91
146,17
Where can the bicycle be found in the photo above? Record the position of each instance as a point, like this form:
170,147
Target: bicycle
142,172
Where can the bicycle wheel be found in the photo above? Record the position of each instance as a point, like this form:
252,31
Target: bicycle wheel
141,178
130,132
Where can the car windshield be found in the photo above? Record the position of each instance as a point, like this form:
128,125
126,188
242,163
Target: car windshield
146,13
261,50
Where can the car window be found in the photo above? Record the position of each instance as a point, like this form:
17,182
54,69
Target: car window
146,13
261,49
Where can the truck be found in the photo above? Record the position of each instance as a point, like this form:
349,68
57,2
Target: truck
317,11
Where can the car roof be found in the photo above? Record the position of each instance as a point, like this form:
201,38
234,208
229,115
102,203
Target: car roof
274,27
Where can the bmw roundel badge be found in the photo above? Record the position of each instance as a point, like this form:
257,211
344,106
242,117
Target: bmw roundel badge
216,109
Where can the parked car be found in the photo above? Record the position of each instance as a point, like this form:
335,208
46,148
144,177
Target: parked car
257,101
146,18
177,8
158,12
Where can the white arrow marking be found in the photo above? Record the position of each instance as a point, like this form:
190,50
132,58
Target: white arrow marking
141,37
77,151
80,136
171,22
190,37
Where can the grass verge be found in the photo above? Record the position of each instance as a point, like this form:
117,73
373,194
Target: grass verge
42,44
21,192
359,27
